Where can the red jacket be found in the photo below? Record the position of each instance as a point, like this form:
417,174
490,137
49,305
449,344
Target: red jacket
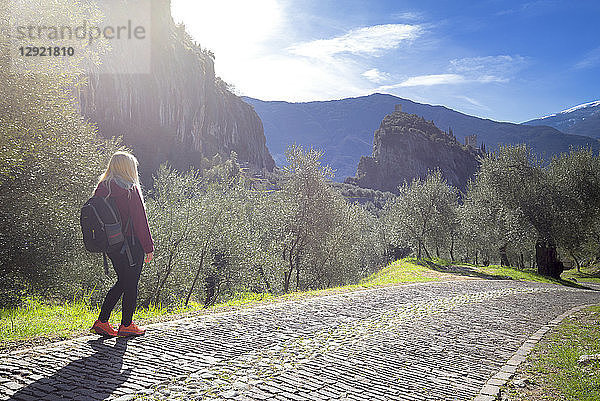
129,203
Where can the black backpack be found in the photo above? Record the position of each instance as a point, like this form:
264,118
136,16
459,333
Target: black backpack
102,229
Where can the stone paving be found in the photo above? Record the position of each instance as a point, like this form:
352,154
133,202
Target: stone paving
434,341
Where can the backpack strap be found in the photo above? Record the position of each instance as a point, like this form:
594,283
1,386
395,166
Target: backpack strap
105,263
128,222
112,211
127,226
96,213
126,245
126,248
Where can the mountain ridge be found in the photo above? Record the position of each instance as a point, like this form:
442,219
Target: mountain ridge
344,128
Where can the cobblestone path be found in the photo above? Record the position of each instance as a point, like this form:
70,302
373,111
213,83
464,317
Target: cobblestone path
435,341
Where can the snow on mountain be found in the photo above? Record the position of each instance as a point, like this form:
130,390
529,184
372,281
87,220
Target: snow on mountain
583,119
572,109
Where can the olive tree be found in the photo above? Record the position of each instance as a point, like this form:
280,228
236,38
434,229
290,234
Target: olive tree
320,237
423,216
575,181
200,226
559,201
489,229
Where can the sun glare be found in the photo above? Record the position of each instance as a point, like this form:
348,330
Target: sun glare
229,26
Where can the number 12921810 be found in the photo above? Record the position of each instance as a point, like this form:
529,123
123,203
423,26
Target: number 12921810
33,51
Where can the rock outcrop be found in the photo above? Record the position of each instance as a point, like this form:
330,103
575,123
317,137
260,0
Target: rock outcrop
181,111
406,147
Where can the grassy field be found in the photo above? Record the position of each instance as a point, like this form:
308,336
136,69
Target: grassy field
526,275
587,274
494,272
552,371
37,322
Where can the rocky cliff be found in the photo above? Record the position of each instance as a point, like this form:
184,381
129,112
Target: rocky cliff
181,111
406,147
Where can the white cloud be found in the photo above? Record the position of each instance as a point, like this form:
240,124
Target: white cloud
508,11
256,53
370,40
263,54
428,80
531,8
484,79
498,66
441,79
408,16
591,59
376,76
484,69
474,102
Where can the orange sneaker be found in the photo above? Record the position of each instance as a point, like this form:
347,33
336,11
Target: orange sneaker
131,330
104,329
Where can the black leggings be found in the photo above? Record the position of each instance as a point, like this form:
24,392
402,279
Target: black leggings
126,285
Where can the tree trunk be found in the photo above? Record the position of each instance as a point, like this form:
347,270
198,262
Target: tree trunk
576,261
210,285
198,271
504,257
297,272
286,282
476,257
264,278
522,261
426,252
452,249
159,288
287,276
547,260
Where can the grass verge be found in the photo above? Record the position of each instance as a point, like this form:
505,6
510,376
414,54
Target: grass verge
525,275
552,371
586,275
494,272
37,321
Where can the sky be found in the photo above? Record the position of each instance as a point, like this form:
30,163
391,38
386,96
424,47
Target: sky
504,60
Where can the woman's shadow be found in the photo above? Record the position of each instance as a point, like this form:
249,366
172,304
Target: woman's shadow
93,377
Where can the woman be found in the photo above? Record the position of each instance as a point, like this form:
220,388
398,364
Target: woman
121,182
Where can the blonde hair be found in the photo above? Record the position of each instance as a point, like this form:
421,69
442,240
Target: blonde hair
122,165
